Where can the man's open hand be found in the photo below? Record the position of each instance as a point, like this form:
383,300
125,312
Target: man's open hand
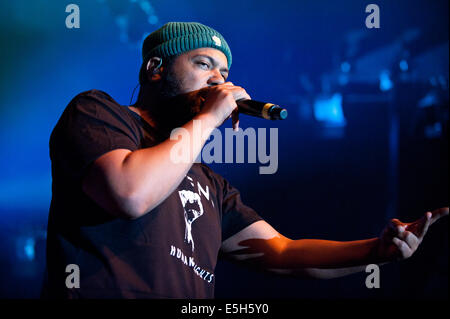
400,240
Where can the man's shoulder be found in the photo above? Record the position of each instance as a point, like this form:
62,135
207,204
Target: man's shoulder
95,94
94,102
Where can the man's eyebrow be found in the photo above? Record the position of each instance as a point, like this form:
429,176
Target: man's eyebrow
212,60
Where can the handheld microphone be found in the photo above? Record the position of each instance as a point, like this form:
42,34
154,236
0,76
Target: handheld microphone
264,110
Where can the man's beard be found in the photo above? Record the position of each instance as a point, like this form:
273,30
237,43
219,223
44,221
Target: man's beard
175,108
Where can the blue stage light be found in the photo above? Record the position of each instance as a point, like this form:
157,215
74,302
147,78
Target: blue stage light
25,248
329,112
385,81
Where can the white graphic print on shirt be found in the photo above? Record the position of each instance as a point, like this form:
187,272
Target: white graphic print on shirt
193,209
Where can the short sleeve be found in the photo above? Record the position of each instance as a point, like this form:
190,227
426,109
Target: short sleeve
235,214
91,125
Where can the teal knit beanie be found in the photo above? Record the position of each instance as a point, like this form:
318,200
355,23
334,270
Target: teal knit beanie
175,38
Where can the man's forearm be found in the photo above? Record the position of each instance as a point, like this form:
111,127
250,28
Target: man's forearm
152,173
327,259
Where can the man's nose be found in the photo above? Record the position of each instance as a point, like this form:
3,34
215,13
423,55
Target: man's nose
215,78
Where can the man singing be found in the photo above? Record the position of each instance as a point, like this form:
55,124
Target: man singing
138,224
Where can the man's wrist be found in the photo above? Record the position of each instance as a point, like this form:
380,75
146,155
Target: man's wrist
376,253
207,120
374,257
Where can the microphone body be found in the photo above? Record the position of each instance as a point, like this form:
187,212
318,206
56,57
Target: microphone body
264,110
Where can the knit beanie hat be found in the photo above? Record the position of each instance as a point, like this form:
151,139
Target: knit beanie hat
175,38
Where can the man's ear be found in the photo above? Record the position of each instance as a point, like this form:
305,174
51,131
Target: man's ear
154,68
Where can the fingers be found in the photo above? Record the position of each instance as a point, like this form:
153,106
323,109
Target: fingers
235,120
414,231
404,251
438,213
405,241
407,236
395,222
420,226
235,114
427,221
220,102
393,226
238,92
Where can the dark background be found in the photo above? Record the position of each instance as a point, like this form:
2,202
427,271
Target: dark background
375,148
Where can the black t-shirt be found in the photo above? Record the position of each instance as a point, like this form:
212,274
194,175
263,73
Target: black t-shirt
170,252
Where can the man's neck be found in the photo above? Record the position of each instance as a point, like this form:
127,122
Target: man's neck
143,107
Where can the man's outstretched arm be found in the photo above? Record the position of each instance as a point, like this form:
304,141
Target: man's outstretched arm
260,245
